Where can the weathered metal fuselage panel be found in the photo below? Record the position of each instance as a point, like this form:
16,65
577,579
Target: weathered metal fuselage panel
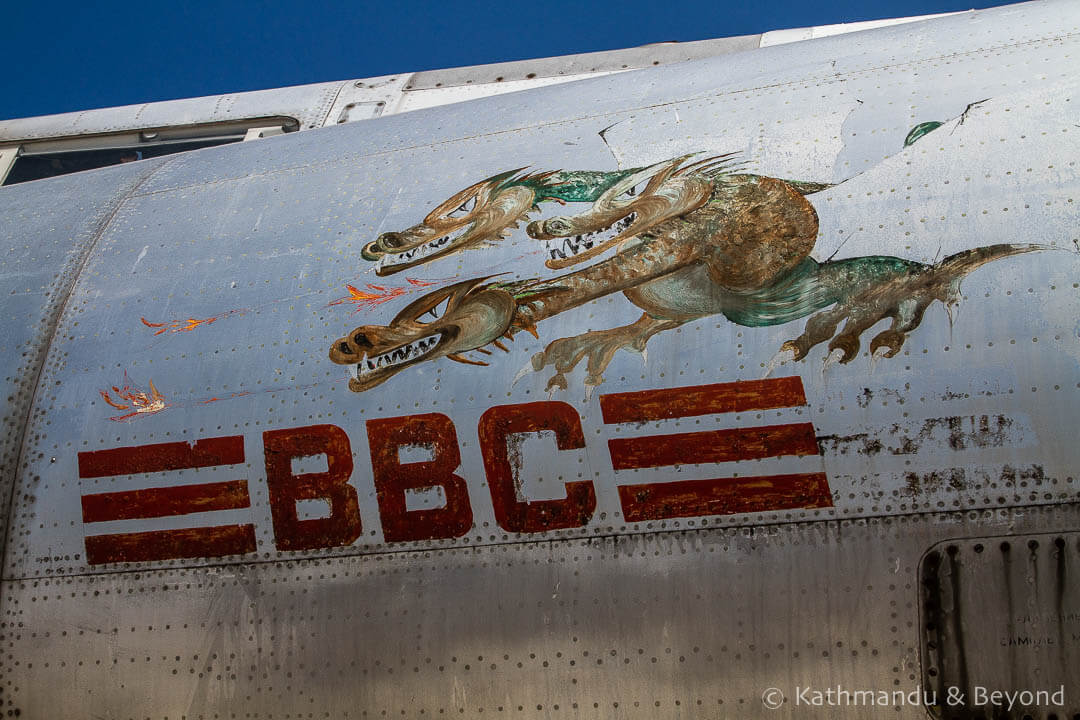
1001,615
645,396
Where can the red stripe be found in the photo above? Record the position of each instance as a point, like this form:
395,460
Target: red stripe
724,496
713,446
207,452
702,400
162,502
170,544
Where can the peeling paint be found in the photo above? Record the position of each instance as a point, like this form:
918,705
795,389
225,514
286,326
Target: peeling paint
956,432
959,479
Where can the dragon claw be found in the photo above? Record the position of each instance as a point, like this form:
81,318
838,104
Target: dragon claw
589,391
887,343
897,289
832,358
847,345
597,348
525,370
844,346
557,382
787,353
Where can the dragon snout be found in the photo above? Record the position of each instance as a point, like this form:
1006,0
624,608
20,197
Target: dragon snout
371,251
348,350
342,353
386,242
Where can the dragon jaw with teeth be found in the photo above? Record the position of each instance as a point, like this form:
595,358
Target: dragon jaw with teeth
482,214
454,319
633,205
479,214
566,250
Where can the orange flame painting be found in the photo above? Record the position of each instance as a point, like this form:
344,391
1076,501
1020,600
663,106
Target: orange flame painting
178,326
374,295
131,398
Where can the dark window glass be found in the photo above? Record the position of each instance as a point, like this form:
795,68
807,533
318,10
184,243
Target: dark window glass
37,167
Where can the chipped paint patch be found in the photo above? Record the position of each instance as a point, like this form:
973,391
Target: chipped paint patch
956,432
960,479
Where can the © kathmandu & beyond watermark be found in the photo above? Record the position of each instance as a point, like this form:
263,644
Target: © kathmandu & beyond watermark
978,697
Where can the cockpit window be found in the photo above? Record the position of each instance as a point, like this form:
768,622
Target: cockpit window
48,158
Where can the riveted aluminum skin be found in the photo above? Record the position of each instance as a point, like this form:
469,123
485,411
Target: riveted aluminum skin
225,277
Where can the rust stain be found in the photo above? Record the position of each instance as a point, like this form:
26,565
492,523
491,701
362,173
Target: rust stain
1011,476
496,429
713,446
951,395
724,496
165,502
171,544
649,405
862,443
435,432
161,457
953,478
864,398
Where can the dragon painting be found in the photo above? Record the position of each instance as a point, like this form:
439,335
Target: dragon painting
690,239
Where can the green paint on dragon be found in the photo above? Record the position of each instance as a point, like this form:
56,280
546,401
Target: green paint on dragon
921,129
579,185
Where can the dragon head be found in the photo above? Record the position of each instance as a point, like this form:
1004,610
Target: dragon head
478,215
638,202
454,319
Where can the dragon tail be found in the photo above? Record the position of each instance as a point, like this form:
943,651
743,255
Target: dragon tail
967,261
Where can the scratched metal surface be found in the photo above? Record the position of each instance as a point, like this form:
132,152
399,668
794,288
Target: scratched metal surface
684,624
46,238
1001,612
264,236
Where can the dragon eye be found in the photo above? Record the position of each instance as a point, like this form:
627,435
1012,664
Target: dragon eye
464,209
635,190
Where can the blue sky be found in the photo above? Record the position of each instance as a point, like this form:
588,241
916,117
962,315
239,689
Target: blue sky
65,55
